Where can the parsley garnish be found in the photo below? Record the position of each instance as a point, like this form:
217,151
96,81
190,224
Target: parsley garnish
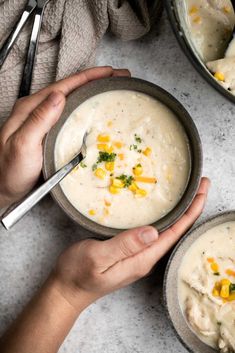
106,157
216,273
133,147
232,287
127,180
138,139
82,164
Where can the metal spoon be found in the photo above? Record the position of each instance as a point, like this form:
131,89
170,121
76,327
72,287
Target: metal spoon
16,212
8,44
32,49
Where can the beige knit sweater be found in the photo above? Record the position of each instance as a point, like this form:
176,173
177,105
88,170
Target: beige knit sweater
71,31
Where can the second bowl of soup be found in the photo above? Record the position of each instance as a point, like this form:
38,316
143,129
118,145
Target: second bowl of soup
143,156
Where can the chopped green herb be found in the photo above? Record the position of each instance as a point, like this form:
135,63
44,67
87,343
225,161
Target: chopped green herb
218,323
138,139
127,180
94,167
232,287
139,165
82,164
133,147
139,151
216,273
106,157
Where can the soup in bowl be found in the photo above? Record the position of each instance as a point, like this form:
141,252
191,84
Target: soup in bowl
202,273
142,160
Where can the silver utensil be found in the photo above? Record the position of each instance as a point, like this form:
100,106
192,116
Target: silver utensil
32,49
8,44
16,212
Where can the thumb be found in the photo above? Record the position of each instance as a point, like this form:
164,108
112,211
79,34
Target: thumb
43,118
128,243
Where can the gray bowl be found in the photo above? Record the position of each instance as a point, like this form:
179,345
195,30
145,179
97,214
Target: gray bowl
125,83
176,17
183,332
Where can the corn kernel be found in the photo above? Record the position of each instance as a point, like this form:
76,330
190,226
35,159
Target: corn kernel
100,173
215,292
138,170
92,212
197,20
225,282
109,149
219,76
147,151
118,144
214,267
194,9
103,138
218,285
121,156
102,146
133,187
113,189
224,292
117,183
109,166
230,272
141,193
227,9
210,260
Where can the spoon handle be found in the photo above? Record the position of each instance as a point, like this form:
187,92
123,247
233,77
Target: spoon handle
16,212
8,44
32,49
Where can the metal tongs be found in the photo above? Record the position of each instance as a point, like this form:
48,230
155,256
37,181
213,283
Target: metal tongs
36,8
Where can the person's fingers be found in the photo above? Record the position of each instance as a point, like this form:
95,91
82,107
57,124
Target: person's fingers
41,120
204,186
126,244
24,106
121,72
141,263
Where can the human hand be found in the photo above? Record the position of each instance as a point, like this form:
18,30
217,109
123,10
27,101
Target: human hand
22,135
90,269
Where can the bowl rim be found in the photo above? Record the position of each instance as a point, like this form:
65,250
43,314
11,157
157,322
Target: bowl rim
139,85
212,221
188,51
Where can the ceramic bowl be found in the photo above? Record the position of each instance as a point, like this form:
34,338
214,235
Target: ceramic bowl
183,332
126,83
177,19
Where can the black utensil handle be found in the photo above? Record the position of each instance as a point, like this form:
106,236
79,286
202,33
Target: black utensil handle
32,49
8,44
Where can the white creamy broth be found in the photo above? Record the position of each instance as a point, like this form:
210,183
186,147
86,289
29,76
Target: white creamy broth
210,24
144,157
206,287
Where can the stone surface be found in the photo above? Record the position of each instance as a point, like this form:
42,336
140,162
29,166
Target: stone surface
132,319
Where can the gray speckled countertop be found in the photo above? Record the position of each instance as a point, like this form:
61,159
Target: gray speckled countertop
132,319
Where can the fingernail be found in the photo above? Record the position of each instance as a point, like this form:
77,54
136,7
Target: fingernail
149,235
55,98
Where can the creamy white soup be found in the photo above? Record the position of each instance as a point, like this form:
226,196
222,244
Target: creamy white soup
206,287
211,24
137,160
